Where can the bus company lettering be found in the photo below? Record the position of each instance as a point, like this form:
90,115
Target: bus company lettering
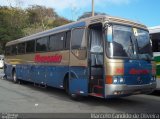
138,71
48,59
120,70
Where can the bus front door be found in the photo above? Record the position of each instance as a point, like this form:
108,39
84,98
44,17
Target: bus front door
96,61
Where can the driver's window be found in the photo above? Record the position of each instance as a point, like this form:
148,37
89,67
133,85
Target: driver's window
79,43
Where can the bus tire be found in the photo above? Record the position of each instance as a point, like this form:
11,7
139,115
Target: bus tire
14,76
75,97
66,84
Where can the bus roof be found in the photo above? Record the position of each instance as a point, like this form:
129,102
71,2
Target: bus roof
155,29
81,23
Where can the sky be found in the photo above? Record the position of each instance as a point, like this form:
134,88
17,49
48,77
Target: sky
143,11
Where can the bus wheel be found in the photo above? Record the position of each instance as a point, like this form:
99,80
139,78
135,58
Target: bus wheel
66,85
14,77
76,97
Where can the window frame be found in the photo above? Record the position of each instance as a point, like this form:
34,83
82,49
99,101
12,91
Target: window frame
85,32
78,49
64,41
53,35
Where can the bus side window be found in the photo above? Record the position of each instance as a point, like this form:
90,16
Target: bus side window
79,43
56,41
30,46
42,44
21,48
78,38
14,49
8,50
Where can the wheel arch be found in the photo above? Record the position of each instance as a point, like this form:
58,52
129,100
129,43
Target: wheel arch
67,76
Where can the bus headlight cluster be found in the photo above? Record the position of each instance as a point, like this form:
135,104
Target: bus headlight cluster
153,78
118,80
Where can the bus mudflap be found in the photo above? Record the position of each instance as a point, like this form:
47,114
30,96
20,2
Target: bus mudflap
78,86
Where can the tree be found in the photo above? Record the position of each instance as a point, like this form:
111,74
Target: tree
41,16
89,14
16,22
11,25
60,21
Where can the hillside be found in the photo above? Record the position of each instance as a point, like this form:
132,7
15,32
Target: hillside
16,22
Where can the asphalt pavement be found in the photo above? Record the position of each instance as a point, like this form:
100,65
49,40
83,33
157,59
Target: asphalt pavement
29,99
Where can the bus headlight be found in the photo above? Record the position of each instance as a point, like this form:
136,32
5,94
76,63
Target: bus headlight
152,78
121,80
118,80
115,80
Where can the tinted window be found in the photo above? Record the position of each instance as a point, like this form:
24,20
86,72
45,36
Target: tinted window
41,44
21,48
14,49
8,50
155,45
57,41
68,37
155,42
79,43
30,46
78,38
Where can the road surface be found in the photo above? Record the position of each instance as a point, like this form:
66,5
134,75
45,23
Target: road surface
16,98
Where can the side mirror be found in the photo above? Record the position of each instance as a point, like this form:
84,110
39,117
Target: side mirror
109,34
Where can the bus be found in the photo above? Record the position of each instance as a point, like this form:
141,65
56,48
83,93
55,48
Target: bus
102,56
155,38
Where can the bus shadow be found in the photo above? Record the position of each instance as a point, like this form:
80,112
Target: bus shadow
132,104
49,91
156,92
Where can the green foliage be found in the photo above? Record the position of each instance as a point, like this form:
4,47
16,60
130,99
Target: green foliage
11,24
59,21
16,22
89,14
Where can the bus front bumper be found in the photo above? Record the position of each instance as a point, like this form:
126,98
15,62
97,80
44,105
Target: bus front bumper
118,90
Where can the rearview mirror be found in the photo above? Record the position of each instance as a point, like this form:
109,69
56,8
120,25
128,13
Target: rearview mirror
109,34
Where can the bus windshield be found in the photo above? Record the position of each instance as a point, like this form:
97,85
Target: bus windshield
143,43
129,44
